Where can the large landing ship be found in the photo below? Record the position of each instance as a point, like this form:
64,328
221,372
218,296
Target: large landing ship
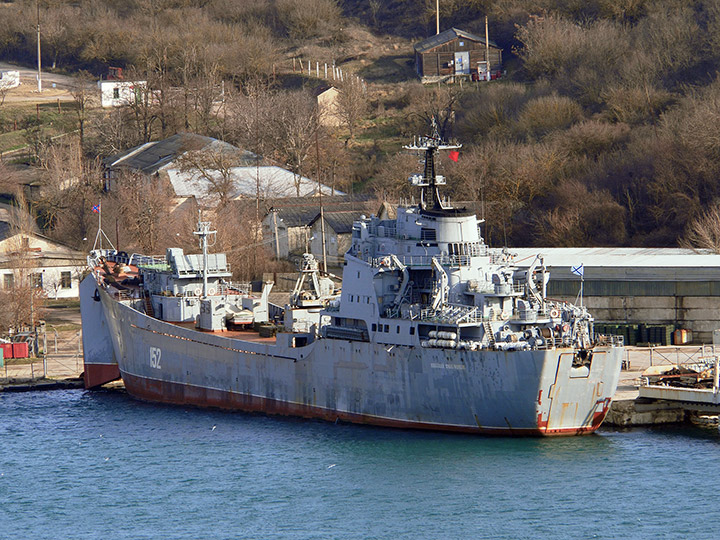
432,330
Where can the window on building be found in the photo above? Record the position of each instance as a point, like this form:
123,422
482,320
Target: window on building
8,281
116,93
412,330
36,280
65,280
374,327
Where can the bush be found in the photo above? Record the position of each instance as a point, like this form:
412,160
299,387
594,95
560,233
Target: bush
546,114
636,104
304,19
593,138
491,112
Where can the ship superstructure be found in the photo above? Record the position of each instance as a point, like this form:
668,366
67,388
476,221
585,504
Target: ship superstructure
433,329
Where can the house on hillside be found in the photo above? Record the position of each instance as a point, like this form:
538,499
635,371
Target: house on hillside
208,170
115,91
456,53
49,265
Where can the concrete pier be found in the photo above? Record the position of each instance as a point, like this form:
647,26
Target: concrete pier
628,408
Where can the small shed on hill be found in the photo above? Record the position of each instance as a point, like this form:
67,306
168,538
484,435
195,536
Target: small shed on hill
455,52
327,100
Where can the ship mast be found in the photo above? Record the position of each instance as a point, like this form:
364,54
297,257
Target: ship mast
429,180
203,232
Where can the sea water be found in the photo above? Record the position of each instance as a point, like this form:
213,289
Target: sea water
100,465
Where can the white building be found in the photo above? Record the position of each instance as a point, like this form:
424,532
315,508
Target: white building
9,79
633,286
54,267
116,93
168,159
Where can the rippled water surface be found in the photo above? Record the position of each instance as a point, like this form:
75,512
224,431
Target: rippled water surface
76,464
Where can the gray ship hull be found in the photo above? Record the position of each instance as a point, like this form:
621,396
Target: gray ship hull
533,392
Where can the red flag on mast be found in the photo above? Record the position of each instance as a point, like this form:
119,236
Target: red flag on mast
454,155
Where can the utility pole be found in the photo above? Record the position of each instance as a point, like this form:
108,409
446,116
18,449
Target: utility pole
39,75
322,211
437,16
277,239
487,49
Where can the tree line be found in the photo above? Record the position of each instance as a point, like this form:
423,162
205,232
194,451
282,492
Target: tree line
603,132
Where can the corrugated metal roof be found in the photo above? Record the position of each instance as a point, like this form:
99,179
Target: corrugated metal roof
449,35
296,212
153,156
341,222
274,182
626,264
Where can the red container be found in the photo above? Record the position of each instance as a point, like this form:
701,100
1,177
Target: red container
20,350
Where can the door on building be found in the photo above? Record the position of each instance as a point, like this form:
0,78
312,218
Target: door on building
462,62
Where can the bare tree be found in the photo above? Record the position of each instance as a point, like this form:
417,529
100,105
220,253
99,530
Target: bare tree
213,169
3,92
83,94
22,297
295,126
144,205
70,186
438,104
352,105
704,231
144,106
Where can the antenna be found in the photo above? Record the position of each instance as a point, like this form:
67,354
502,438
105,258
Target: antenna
203,232
429,181
100,233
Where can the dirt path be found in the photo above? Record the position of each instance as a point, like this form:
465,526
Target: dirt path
55,86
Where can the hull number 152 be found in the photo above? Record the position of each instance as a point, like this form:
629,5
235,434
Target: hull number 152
155,355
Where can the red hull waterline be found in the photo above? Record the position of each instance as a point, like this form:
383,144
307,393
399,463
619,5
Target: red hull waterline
98,374
183,394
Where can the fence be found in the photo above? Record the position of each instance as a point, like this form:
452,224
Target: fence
56,362
329,72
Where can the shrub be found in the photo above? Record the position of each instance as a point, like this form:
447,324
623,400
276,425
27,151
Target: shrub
593,138
491,112
636,104
304,19
546,114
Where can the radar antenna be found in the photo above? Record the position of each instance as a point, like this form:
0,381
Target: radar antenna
429,180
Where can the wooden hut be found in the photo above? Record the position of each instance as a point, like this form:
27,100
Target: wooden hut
455,53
